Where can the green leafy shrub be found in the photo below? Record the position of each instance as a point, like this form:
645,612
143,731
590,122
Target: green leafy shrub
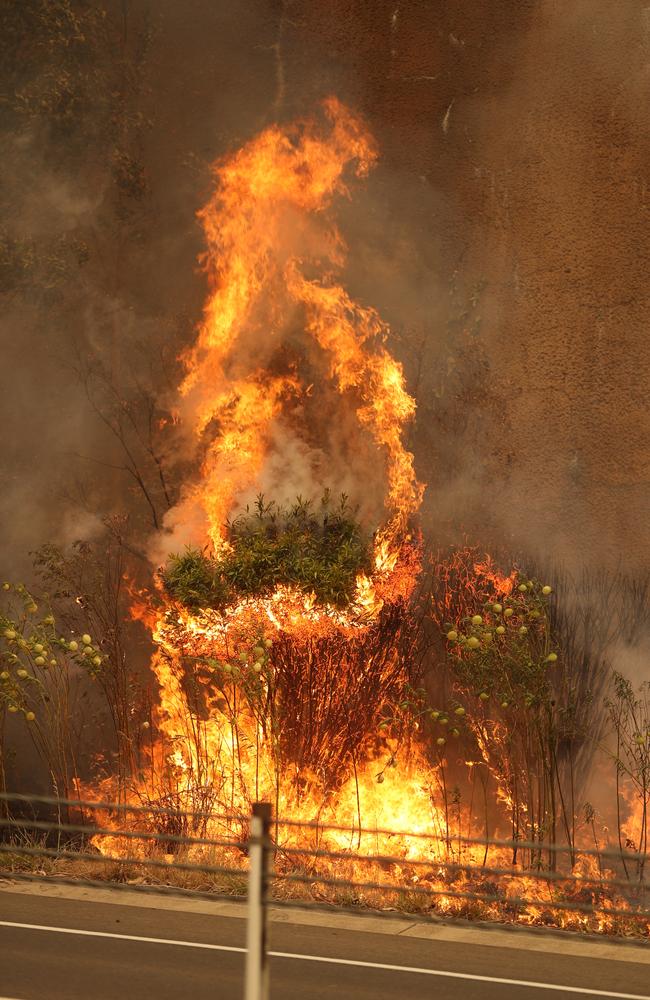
319,552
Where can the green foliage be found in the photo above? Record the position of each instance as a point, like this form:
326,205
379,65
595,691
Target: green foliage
194,580
319,552
505,652
33,653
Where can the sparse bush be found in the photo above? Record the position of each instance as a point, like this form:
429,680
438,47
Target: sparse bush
35,680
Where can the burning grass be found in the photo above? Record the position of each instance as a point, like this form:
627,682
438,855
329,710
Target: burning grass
441,883
339,725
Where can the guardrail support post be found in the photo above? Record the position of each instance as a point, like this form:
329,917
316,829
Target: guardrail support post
257,970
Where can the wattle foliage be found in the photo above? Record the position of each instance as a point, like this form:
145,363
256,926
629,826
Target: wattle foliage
320,552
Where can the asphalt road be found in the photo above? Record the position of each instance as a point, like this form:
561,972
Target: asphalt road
69,949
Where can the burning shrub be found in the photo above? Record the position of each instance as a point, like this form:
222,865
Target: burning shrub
320,553
517,698
629,714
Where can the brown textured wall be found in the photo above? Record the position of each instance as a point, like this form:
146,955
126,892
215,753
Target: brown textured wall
529,119
504,235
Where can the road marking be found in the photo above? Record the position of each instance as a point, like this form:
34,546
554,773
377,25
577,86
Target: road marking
581,990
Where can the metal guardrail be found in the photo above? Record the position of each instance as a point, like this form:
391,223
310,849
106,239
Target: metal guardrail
71,837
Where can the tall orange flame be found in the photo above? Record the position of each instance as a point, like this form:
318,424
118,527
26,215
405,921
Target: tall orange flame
267,226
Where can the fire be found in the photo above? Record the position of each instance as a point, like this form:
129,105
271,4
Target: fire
278,697
268,230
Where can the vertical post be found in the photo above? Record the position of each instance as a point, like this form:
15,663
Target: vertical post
257,970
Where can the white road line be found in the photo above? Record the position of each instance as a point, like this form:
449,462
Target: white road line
582,991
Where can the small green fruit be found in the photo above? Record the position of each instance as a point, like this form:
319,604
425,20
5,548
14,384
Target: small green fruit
30,716
547,590
473,642
10,634
441,741
500,630
460,710
39,661
551,658
22,673
523,630
86,639
452,635
497,608
73,646
477,620
484,696
508,613
522,588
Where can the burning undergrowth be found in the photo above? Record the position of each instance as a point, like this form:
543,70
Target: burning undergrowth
284,632
302,656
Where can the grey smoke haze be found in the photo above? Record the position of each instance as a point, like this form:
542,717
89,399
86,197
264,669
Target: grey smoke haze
503,236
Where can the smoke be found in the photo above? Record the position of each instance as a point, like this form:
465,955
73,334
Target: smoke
555,241
502,236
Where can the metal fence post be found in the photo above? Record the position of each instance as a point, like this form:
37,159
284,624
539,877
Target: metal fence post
257,970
